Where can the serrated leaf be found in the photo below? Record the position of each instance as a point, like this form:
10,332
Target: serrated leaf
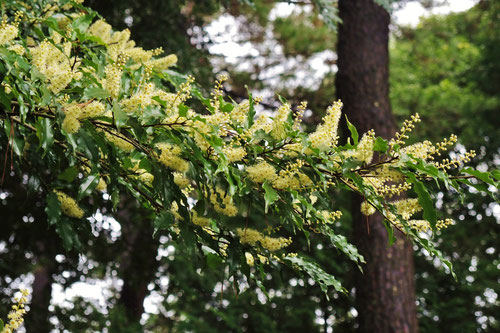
68,234
53,208
312,269
163,221
270,195
380,145
88,185
341,243
96,92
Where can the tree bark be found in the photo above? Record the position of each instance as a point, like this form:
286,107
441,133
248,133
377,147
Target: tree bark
385,292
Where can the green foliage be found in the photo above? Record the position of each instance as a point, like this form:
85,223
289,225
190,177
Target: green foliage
123,148
443,68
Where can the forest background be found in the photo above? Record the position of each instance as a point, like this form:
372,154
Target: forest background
445,68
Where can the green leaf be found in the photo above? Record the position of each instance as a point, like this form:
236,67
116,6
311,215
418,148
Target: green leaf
213,260
53,208
45,134
312,269
68,234
69,174
496,174
120,116
425,200
2,325
270,195
353,130
163,221
251,109
88,185
81,23
96,92
380,145
341,243
183,109
484,176
390,232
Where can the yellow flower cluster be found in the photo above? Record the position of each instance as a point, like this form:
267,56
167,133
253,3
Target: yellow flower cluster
418,225
102,185
325,136
422,150
16,315
146,177
142,99
330,216
367,209
170,157
442,224
227,208
299,114
119,44
447,164
407,207
292,178
402,135
54,64
113,80
364,150
278,125
249,259
76,112
200,220
423,225
252,237
17,48
261,172
164,63
239,114
69,206
234,154
7,33
387,181
181,180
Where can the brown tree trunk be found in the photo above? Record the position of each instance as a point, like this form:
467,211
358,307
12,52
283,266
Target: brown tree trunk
385,292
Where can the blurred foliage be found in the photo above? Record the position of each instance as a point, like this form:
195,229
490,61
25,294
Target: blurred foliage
447,69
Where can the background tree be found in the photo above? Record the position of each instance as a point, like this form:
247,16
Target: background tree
385,290
226,321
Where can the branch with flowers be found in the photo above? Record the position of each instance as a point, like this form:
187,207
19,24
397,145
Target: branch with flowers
104,116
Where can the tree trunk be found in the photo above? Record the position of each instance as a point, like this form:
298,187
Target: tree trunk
385,292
